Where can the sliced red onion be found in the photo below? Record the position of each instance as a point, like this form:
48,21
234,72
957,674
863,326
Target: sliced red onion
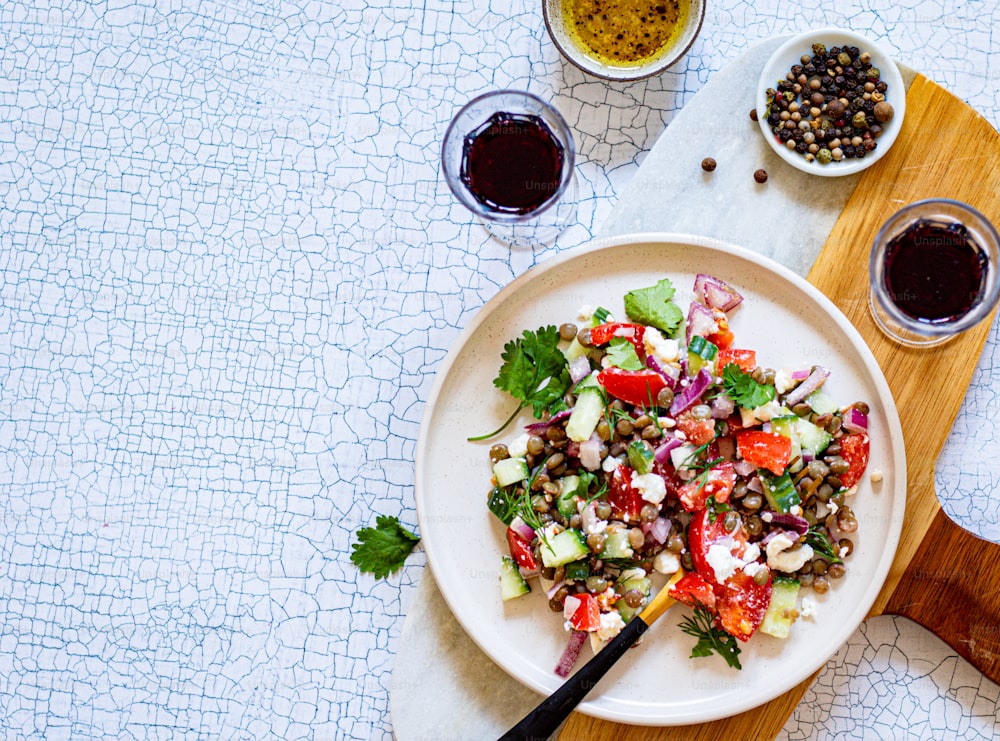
660,530
688,396
855,421
794,522
522,528
670,374
536,427
570,605
571,653
816,379
790,534
801,375
727,448
662,452
590,452
700,321
716,293
744,468
755,485
722,406
579,368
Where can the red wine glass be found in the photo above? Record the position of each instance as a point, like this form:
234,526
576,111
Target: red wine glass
933,272
508,157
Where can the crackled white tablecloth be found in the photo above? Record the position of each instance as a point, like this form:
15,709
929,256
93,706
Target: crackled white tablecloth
229,270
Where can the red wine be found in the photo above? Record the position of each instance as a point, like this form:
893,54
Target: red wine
512,163
934,271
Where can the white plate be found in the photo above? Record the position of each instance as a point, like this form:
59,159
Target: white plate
789,53
788,322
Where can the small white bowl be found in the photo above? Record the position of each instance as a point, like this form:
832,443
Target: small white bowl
789,54
676,48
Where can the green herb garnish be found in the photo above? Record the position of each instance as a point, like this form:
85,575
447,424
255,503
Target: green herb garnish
710,638
821,544
621,353
743,389
653,306
534,371
381,550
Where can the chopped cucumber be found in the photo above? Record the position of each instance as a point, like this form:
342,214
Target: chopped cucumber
500,504
640,456
570,487
512,583
510,471
786,426
586,414
616,544
701,354
781,611
560,549
600,316
574,350
779,491
578,570
821,402
812,438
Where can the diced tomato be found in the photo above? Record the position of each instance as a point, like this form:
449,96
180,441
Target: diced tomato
741,603
693,590
697,431
603,334
625,500
587,615
764,449
520,550
745,359
717,482
855,449
723,336
639,388
704,532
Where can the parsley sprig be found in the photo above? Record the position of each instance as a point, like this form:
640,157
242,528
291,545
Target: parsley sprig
743,389
535,372
654,306
701,625
381,550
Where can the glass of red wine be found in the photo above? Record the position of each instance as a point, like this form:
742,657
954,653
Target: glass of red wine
508,157
933,272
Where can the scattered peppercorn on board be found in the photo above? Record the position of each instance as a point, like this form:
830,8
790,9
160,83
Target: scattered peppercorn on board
945,149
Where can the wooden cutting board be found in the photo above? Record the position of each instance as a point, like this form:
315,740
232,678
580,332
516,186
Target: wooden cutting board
943,577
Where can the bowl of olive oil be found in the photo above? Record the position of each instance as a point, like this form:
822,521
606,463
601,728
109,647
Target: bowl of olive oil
623,39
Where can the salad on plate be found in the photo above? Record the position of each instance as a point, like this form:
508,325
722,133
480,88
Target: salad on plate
662,448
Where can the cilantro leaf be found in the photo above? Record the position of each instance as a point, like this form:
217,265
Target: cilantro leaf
621,353
653,306
381,550
742,389
535,372
710,638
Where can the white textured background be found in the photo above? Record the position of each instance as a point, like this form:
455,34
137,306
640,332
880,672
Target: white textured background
228,272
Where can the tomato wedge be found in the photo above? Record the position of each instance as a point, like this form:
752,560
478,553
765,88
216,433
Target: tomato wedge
604,333
587,615
704,532
693,590
855,449
723,336
639,388
745,359
741,603
697,431
625,500
764,449
520,550
717,482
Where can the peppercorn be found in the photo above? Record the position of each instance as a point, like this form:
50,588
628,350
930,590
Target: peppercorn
883,111
760,176
824,156
708,164
753,114
860,121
